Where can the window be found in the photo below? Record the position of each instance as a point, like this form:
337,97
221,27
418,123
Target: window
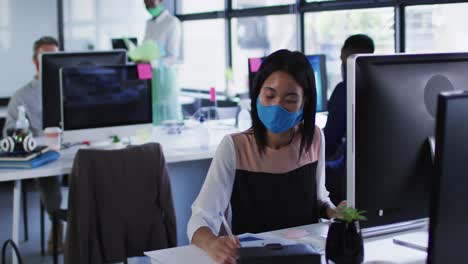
240,4
437,28
91,24
325,33
199,6
204,56
4,22
258,37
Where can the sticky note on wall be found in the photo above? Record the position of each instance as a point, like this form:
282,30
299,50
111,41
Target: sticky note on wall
255,64
144,71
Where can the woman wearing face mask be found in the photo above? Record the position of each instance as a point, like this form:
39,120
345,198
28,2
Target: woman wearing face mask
271,176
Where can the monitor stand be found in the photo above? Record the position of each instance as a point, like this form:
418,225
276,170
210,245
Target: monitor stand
394,228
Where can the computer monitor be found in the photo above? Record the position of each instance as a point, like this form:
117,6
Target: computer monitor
391,116
101,101
119,43
448,227
318,63
51,63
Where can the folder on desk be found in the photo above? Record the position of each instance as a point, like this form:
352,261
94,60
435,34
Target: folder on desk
38,161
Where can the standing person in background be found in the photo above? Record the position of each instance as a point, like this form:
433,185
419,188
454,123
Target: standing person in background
30,96
335,129
165,30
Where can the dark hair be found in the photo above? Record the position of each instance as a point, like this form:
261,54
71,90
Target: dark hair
298,67
359,42
46,40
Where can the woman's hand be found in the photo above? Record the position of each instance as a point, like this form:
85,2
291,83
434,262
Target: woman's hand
337,212
223,250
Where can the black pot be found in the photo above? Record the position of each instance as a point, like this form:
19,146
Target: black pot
344,243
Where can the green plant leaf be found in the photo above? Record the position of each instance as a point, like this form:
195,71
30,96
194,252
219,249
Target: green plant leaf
351,214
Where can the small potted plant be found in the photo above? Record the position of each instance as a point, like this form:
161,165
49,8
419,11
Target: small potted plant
344,240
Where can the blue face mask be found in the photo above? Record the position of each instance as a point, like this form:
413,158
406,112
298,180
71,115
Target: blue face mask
277,119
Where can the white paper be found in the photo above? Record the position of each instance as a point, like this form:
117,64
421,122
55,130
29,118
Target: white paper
186,254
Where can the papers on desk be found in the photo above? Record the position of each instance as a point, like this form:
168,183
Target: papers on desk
185,254
313,236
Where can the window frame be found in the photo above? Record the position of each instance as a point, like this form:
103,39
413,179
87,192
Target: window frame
299,8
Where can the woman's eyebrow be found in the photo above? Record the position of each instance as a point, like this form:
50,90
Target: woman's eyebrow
292,93
270,88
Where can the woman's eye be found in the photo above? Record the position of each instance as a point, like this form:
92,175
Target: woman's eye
291,101
270,97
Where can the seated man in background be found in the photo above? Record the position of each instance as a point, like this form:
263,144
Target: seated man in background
30,96
335,129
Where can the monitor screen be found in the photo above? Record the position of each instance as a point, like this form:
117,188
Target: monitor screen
51,63
119,43
391,116
448,221
104,96
318,66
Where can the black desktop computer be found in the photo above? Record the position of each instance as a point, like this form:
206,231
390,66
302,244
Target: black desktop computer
392,102
318,63
51,63
448,229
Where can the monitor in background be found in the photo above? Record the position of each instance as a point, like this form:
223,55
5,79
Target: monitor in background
391,115
318,63
119,43
448,220
101,101
51,63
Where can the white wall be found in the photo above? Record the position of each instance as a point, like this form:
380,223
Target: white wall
21,23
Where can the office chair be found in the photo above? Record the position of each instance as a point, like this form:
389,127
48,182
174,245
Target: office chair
136,179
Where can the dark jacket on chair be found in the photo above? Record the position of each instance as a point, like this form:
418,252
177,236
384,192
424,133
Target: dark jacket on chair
120,205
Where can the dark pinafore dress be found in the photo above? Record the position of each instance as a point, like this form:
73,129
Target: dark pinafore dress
275,190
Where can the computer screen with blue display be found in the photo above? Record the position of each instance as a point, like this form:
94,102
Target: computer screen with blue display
318,66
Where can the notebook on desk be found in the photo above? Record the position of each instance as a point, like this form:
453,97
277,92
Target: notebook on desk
38,161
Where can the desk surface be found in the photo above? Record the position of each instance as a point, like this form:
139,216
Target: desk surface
376,250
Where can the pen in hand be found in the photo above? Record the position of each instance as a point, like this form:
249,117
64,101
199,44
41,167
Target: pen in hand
227,228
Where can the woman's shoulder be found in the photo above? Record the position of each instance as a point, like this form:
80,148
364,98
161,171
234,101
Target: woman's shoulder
243,138
313,151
